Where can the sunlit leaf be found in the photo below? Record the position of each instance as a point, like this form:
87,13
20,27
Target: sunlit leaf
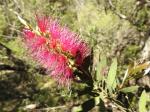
133,71
137,68
23,21
142,102
111,81
130,89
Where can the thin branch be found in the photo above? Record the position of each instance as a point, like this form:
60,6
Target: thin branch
7,67
51,108
114,10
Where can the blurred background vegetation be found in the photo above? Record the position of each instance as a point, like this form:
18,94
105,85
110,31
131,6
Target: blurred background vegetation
114,28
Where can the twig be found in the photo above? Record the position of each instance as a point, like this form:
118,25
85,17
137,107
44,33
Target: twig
124,78
114,10
111,4
7,67
130,104
52,108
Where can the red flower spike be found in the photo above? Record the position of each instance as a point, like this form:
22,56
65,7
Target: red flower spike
54,46
54,29
43,23
28,34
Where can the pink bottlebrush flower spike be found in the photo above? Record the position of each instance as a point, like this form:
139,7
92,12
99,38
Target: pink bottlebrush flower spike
56,48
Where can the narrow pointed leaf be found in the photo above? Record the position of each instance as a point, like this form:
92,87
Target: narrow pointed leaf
111,81
130,89
142,102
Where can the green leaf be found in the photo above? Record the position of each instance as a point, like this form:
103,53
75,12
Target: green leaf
132,71
100,67
142,102
111,81
130,89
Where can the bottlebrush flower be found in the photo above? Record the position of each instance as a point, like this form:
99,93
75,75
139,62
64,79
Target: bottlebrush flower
56,48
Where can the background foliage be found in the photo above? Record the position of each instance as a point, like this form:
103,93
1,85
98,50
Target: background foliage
113,28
